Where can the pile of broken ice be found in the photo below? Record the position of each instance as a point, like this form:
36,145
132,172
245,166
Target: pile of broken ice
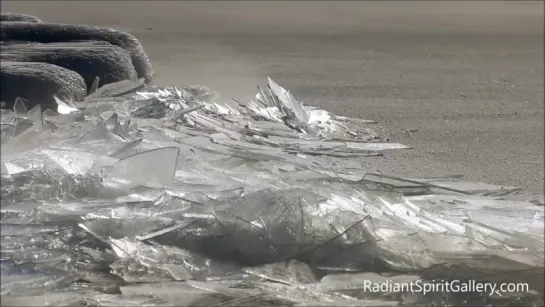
163,197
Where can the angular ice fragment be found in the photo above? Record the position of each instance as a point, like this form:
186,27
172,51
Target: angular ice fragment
318,117
99,132
117,89
376,146
21,126
175,293
288,272
20,281
140,262
111,123
236,294
64,107
175,227
19,107
11,168
126,150
152,169
67,299
12,230
71,161
123,248
289,103
35,115
94,86
111,300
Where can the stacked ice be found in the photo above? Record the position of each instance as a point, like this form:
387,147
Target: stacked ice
163,197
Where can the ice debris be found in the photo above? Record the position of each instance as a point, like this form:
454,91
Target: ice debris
165,197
